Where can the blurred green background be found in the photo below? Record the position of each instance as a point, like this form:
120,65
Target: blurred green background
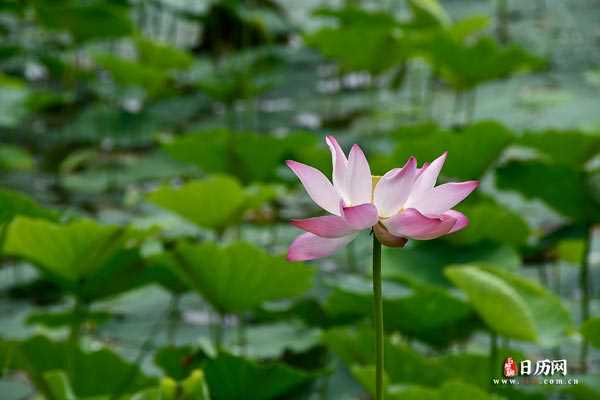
144,200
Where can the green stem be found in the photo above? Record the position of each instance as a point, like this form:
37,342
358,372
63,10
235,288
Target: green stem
415,91
471,102
584,285
432,91
502,16
218,331
458,100
173,319
378,318
324,388
78,316
493,354
129,378
242,339
79,310
557,279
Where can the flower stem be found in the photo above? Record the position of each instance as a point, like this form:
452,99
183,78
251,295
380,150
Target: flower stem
78,317
493,354
378,318
584,285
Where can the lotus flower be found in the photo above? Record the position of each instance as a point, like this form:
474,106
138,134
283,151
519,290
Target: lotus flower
402,204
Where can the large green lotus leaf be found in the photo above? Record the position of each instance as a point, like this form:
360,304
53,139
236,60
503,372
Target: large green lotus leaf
235,378
160,55
81,256
404,364
492,297
359,48
215,202
206,149
14,203
72,251
455,58
489,221
249,156
420,314
240,277
427,312
498,303
581,146
423,263
93,373
552,318
428,14
561,187
591,330
131,73
85,20
359,40
486,139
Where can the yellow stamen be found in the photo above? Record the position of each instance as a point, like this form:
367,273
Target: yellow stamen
374,180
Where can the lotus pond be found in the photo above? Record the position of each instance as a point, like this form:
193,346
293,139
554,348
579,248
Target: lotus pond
145,201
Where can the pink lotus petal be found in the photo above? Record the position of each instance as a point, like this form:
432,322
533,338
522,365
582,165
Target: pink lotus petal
317,186
360,217
412,224
423,168
328,226
425,181
340,166
359,180
393,188
309,246
444,197
461,220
